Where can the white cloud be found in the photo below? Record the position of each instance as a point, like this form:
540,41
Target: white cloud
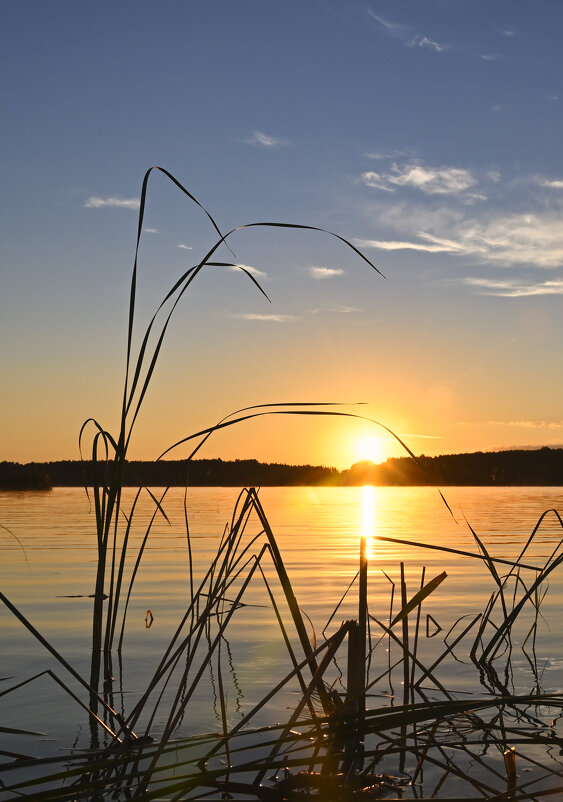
152,231
491,57
376,181
424,41
469,199
185,247
325,272
442,243
252,270
398,245
515,289
517,239
267,318
406,35
551,184
430,180
120,203
489,237
265,140
508,32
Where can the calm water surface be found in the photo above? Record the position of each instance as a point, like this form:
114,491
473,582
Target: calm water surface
48,570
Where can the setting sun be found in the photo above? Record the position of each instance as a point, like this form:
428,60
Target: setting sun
371,448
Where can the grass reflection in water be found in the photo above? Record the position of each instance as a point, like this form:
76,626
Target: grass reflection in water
370,711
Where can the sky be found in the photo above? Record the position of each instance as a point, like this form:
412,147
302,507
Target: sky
427,134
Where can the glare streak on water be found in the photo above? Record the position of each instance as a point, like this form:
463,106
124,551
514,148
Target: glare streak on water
50,573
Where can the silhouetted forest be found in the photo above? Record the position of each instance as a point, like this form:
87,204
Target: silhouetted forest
14,476
543,466
519,467
198,473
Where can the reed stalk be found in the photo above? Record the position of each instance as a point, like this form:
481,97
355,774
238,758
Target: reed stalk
336,752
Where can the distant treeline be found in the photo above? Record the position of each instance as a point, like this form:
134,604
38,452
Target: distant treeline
519,467
14,476
198,473
543,466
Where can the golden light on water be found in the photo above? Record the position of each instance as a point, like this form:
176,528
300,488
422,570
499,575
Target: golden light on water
368,518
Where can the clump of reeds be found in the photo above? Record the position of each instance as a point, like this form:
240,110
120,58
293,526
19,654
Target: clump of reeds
333,745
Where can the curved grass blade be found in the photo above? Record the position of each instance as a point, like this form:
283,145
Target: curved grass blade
473,554
18,541
313,228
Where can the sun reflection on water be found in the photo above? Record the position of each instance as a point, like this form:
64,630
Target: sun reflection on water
368,518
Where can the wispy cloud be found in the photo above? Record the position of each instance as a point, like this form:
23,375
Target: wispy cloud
398,245
424,41
417,175
491,57
515,289
528,424
325,272
442,243
252,270
152,231
508,32
266,318
517,239
406,34
119,203
501,239
336,310
389,154
394,29
376,181
185,247
265,140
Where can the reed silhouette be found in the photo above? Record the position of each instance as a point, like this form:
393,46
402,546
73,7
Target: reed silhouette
333,744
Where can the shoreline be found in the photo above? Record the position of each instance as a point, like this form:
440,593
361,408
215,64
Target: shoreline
515,468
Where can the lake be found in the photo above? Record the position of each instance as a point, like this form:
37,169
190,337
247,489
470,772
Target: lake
48,572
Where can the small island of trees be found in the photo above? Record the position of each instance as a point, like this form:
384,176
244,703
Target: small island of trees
14,476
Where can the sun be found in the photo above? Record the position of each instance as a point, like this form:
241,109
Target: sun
371,448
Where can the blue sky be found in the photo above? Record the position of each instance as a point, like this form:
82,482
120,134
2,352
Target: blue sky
428,133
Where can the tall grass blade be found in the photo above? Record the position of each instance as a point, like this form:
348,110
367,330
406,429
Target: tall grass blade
418,598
